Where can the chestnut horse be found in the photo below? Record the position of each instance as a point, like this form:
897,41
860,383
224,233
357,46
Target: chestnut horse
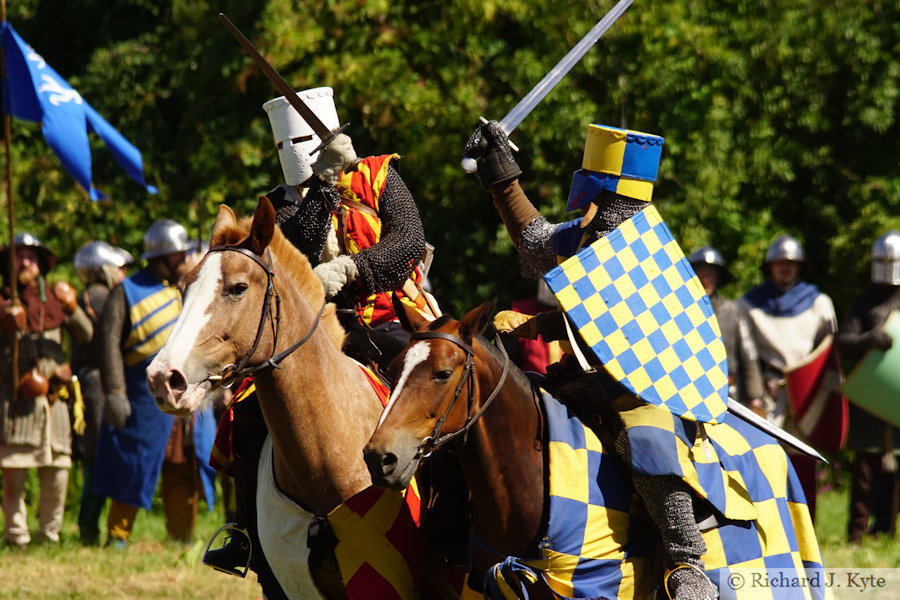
254,306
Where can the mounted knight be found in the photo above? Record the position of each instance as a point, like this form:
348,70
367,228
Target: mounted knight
647,368
357,223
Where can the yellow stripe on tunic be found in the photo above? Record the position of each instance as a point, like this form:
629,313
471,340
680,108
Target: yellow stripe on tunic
152,319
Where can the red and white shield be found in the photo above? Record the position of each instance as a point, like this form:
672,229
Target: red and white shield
818,407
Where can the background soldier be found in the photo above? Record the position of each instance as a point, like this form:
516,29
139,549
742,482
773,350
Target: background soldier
875,487
745,380
138,441
100,267
35,428
789,318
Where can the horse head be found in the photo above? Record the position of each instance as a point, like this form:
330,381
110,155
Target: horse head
433,395
229,319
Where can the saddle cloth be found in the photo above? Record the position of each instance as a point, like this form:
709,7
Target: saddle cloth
599,543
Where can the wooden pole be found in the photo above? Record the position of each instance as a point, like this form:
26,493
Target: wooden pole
13,284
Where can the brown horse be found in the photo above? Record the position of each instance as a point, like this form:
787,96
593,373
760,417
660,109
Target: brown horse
254,306
450,386
438,397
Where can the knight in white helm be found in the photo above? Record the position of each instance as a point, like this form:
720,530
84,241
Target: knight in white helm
354,218
357,223
875,491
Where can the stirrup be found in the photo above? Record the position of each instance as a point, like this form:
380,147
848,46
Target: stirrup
239,536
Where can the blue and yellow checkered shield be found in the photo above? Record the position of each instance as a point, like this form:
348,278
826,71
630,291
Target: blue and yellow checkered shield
636,302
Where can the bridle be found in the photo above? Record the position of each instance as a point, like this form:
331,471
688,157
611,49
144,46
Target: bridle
434,441
231,373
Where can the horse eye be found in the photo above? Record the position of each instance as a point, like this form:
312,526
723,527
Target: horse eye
237,290
443,375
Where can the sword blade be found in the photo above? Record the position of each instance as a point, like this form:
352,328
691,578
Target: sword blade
537,93
281,85
745,414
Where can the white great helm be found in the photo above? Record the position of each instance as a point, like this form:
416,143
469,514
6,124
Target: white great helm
886,259
294,137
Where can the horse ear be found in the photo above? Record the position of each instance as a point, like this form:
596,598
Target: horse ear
477,319
224,221
409,317
263,227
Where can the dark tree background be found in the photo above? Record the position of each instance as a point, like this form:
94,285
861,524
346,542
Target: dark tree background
780,116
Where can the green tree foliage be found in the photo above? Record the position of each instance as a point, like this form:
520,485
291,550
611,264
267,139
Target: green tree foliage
779,116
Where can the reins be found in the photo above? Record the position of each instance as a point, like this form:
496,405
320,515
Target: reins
434,441
232,373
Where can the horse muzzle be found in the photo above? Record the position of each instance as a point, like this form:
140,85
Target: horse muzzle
388,470
169,388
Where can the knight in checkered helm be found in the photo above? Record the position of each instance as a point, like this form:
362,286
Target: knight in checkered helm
643,322
607,201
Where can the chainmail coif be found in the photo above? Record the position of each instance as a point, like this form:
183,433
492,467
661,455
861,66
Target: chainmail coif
387,264
536,254
305,220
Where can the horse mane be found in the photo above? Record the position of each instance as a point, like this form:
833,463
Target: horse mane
294,265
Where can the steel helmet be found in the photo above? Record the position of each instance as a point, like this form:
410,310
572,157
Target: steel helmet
785,247
46,258
165,236
886,259
707,255
294,137
91,259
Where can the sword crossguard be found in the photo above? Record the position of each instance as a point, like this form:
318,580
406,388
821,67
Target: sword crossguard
327,141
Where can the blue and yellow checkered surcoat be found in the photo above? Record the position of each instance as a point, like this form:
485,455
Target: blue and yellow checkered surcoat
763,522
599,542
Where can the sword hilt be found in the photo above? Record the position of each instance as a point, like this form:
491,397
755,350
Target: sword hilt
470,165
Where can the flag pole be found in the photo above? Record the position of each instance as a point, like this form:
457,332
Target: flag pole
13,287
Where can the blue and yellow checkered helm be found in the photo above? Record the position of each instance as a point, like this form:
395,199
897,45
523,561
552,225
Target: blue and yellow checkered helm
619,160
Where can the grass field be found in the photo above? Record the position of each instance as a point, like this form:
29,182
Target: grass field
153,568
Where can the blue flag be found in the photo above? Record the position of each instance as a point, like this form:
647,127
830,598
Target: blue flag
33,91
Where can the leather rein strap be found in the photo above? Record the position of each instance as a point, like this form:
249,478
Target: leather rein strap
232,373
436,439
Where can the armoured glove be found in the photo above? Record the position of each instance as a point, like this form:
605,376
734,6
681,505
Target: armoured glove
687,582
335,274
516,323
879,339
337,156
116,410
489,146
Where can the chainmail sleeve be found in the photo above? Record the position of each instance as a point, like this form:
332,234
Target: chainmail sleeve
536,254
387,264
306,220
